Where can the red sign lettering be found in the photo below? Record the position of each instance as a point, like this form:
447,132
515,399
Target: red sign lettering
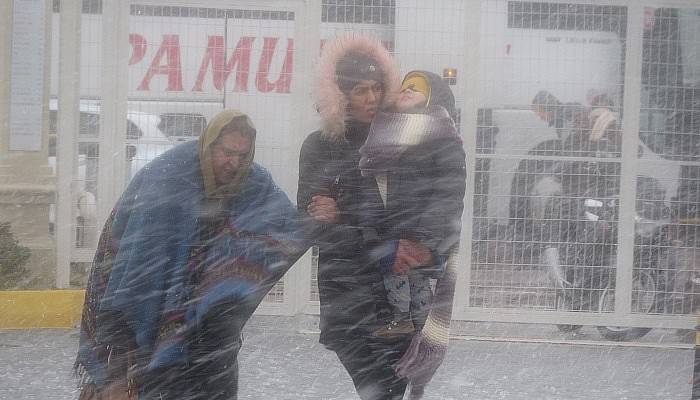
167,61
283,83
138,48
170,47
214,56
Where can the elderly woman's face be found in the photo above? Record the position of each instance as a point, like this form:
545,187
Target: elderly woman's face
228,154
364,99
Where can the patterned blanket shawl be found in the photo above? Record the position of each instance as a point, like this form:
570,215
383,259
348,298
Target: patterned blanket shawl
153,279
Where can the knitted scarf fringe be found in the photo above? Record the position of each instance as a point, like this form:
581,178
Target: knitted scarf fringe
428,347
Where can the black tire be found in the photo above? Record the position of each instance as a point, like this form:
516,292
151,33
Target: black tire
642,283
620,334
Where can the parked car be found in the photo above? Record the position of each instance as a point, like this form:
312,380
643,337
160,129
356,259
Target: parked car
144,142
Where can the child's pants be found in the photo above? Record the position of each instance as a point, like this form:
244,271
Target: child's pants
409,292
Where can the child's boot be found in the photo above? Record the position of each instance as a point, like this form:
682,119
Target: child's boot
400,325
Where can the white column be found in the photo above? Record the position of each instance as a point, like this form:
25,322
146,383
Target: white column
307,39
112,161
467,84
68,125
630,143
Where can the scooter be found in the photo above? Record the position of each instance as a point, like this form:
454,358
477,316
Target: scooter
583,265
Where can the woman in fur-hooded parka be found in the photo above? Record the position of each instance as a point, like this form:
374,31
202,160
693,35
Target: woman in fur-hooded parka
351,291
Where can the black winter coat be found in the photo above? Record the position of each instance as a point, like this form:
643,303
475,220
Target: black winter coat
425,195
350,284
424,203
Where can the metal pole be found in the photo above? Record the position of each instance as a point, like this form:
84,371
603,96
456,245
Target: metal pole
66,136
468,84
630,143
307,39
113,116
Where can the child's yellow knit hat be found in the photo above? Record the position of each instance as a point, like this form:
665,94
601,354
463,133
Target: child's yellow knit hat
416,82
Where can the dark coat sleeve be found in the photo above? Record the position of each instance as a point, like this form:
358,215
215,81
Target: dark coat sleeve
447,201
312,180
435,218
318,175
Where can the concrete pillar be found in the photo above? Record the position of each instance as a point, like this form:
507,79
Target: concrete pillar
26,180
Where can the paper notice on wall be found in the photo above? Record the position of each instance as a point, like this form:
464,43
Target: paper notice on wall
27,74
689,26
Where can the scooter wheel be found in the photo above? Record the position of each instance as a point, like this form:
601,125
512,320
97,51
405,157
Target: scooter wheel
622,334
644,302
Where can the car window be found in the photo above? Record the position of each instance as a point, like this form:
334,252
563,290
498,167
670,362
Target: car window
182,125
133,131
89,124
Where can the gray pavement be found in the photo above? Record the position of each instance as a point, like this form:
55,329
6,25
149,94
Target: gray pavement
281,359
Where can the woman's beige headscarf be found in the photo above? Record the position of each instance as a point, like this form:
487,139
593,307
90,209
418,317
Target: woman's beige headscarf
208,137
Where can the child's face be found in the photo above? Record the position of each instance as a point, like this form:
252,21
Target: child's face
410,100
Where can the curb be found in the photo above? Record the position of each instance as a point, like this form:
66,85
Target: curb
28,309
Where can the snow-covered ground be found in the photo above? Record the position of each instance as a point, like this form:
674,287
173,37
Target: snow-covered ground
281,359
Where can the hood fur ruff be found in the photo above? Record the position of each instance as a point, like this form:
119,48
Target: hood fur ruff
332,103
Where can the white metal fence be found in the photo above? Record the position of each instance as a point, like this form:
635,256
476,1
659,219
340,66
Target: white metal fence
167,67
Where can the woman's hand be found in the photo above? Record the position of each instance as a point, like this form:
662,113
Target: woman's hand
323,209
409,255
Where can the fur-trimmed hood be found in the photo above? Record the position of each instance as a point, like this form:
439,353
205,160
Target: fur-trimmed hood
330,100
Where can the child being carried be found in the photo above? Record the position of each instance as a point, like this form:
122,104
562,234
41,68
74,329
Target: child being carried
416,157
